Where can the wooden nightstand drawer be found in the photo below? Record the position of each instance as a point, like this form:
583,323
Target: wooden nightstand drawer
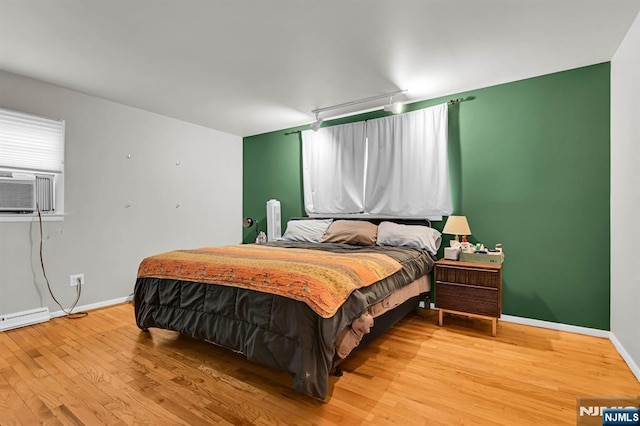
469,275
466,298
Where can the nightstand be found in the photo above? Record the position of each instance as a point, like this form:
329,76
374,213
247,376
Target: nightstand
471,289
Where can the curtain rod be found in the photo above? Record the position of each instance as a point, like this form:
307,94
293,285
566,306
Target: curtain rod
450,102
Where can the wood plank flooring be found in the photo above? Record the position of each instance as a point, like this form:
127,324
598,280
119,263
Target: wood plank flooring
102,369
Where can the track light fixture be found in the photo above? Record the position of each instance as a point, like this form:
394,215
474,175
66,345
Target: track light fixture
316,124
395,107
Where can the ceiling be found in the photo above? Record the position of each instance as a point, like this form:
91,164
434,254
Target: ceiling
247,67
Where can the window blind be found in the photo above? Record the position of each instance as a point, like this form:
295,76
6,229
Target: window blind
30,142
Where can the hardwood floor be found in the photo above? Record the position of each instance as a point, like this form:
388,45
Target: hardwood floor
102,369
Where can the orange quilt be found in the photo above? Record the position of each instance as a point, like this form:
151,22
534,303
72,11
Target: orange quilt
321,279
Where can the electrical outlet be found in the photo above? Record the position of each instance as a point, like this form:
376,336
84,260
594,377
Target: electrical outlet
73,279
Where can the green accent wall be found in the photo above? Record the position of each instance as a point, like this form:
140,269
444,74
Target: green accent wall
530,167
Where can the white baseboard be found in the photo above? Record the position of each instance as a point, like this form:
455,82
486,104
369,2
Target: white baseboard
92,306
556,326
551,325
635,369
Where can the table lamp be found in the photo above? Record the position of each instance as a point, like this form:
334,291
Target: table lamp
457,225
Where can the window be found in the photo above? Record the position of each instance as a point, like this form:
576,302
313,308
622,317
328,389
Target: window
31,163
333,164
394,166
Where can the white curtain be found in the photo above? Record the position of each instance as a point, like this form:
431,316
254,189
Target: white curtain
407,167
333,161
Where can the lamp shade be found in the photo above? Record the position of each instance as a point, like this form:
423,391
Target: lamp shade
457,225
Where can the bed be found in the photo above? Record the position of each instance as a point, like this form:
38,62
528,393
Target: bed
284,318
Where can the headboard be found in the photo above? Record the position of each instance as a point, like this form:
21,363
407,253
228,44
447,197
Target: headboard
373,219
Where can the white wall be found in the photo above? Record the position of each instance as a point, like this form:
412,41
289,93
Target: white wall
99,236
625,196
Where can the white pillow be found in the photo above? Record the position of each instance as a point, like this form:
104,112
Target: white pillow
307,230
416,236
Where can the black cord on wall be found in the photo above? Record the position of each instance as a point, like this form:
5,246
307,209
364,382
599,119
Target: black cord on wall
69,313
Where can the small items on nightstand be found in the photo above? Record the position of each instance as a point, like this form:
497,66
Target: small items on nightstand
456,225
261,238
467,247
451,253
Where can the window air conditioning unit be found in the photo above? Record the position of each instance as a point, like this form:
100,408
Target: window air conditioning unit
19,192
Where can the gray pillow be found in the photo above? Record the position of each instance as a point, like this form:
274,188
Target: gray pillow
307,230
416,236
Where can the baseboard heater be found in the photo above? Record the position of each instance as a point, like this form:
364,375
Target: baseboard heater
24,318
